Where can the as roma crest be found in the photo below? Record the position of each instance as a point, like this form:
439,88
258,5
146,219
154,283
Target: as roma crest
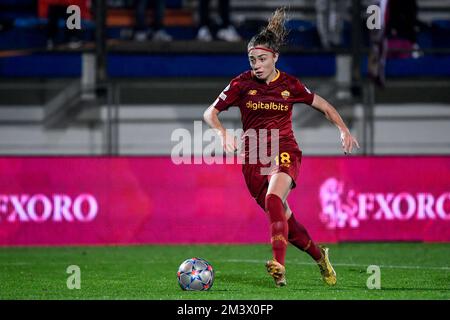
285,94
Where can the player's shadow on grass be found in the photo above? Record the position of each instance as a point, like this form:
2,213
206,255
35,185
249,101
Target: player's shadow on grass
213,289
317,288
255,280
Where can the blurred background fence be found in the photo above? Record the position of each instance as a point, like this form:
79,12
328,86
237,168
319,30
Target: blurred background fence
103,90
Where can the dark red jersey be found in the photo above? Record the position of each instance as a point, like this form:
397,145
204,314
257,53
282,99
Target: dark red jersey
266,106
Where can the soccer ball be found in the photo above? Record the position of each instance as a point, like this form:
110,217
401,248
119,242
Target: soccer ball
195,274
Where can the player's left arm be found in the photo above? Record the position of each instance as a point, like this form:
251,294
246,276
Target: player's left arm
348,141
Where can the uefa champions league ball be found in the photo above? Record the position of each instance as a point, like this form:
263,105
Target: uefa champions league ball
195,274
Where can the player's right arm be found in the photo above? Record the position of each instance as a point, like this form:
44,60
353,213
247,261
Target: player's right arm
228,97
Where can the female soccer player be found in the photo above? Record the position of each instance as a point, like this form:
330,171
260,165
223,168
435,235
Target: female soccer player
265,97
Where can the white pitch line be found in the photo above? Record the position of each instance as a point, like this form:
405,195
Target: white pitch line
343,264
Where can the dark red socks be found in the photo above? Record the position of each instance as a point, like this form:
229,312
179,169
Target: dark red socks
300,238
278,226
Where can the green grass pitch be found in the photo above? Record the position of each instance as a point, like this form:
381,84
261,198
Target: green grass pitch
408,271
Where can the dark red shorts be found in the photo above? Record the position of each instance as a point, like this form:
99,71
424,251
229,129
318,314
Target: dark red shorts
258,181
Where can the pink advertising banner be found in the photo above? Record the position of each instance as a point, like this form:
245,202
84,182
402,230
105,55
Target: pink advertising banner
150,200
